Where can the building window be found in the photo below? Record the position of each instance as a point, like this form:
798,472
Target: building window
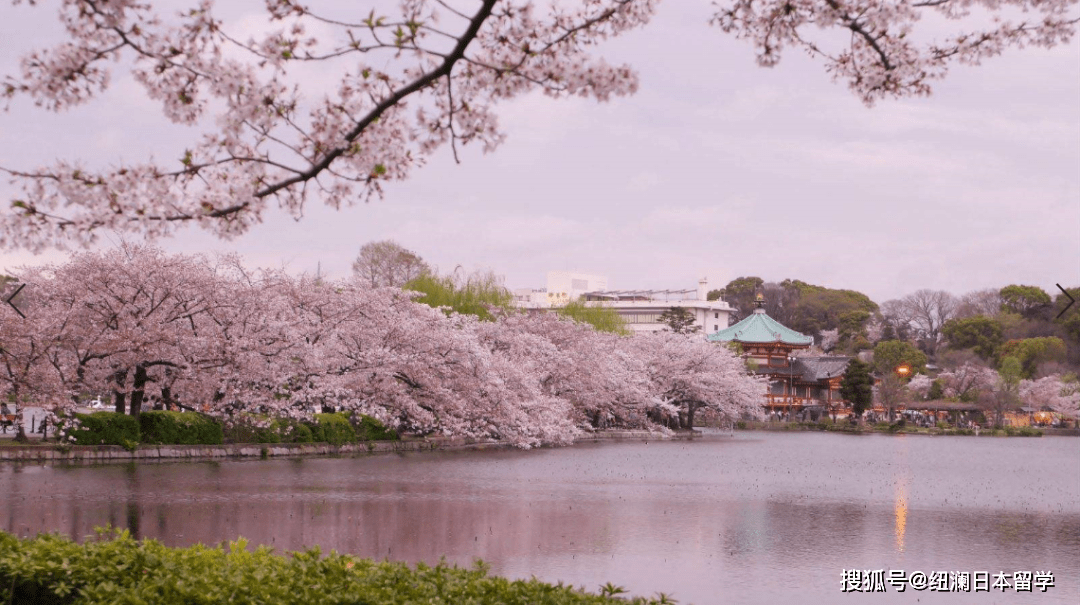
715,328
716,315
641,318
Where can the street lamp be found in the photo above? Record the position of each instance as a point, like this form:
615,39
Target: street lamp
903,370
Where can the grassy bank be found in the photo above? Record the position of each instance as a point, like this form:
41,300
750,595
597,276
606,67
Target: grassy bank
114,568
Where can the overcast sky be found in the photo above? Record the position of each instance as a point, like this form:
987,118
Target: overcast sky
716,168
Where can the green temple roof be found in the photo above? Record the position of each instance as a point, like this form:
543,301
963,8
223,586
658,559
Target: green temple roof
760,328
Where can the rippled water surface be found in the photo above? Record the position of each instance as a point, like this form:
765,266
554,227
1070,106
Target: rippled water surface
755,518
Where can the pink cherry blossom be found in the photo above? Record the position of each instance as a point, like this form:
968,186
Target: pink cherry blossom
409,81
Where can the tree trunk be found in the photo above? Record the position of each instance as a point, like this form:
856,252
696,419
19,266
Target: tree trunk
166,391
119,403
20,431
137,390
690,410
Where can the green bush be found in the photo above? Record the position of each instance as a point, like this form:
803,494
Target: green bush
106,428
179,428
52,570
1022,431
334,429
301,433
371,429
245,430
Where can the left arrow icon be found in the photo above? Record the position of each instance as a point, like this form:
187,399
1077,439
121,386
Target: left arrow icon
13,295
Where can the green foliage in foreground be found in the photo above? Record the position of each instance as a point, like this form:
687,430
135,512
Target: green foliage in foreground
106,428
334,429
52,570
370,429
179,428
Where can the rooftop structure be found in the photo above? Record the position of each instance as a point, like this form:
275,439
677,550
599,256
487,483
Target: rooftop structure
797,383
640,309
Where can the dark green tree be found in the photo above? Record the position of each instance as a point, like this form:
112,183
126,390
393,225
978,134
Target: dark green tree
857,387
937,391
891,354
740,293
981,334
680,320
1028,301
1068,317
1032,352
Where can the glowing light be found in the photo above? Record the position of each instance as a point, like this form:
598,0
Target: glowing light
900,510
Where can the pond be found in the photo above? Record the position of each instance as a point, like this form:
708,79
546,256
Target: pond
755,518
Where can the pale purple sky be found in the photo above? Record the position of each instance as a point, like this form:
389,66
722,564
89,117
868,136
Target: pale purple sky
716,168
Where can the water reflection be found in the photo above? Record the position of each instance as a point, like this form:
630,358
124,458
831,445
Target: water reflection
901,513
902,477
761,518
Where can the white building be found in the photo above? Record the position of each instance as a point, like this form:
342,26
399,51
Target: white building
641,309
565,286
562,287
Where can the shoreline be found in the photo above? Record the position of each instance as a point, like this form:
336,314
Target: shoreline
44,452
41,452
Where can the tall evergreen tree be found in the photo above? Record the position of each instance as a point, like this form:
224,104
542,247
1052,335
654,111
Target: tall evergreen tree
857,386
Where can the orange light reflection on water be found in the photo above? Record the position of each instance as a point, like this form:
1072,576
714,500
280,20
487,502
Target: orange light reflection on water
900,509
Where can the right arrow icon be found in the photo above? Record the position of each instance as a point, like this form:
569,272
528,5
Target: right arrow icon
19,289
1067,295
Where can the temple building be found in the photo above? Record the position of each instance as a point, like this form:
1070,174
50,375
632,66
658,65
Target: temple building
798,384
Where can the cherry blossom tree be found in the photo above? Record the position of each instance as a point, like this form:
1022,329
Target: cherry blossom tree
687,374
919,385
968,381
409,80
1054,392
601,375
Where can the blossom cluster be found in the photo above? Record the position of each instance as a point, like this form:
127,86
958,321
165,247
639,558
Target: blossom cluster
151,329
404,83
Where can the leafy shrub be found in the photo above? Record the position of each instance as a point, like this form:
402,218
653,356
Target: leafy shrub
302,434
1022,431
179,428
246,429
52,570
106,428
741,425
244,432
371,429
334,429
